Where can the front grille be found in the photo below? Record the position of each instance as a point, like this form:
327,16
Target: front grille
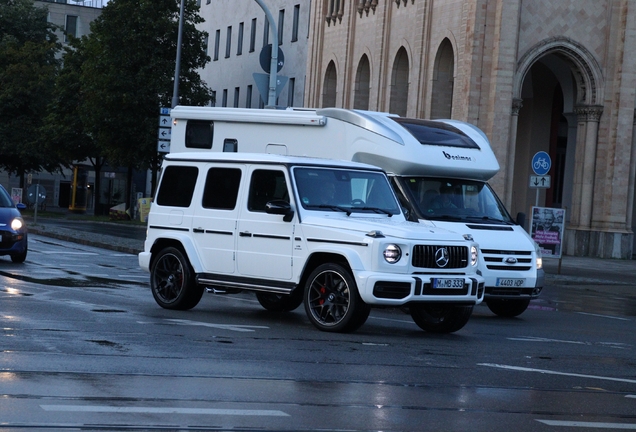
428,256
507,259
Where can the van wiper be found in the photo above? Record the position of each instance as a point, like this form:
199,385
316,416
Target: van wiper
488,219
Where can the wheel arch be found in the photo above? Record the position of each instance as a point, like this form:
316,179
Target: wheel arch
184,244
318,258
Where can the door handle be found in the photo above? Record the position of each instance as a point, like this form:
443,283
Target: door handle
198,230
245,234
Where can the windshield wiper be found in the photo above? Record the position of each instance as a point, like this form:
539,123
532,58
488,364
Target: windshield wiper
488,219
375,209
331,207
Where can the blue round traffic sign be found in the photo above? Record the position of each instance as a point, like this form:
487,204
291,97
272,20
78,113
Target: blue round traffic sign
541,163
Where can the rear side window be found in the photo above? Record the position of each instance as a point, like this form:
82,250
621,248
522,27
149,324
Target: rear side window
221,188
177,186
199,134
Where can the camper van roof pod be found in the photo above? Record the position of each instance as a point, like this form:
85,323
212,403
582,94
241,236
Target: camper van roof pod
246,115
363,119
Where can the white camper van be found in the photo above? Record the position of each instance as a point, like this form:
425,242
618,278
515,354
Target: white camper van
439,169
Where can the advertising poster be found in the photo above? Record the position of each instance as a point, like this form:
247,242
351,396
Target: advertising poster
16,195
547,230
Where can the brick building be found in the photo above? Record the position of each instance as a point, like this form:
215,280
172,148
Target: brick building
536,75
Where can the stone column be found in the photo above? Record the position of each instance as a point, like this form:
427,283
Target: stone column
512,145
632,178
591,115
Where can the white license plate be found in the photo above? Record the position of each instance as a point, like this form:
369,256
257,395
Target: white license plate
509,282
448,283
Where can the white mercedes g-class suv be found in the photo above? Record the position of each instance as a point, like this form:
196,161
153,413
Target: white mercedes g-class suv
329,234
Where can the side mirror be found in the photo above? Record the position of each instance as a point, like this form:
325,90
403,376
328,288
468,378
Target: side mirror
21,206
280,207
521,219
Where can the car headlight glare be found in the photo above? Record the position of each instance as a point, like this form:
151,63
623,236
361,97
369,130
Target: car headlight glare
17,224
473,255
392,253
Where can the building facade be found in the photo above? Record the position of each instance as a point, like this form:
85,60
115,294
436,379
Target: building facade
535,75
238,32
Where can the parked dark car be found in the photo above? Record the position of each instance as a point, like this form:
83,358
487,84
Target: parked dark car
13,229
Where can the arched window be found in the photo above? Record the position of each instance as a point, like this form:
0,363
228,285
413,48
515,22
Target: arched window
362,84
399,83
329,86
443,81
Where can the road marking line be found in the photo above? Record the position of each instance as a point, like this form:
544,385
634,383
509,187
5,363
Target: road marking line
540,339
624,426
165,410
233,327
549,372
604,316
56,252
631,396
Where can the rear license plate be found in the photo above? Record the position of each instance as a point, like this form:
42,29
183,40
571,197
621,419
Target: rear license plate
448,283
509,282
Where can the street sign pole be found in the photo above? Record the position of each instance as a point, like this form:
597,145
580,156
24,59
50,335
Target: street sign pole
273,64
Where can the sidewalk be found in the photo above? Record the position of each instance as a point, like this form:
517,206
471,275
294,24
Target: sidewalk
591,273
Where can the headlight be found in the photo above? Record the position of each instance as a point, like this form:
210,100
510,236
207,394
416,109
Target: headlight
392,253
473,255
539,258
17,224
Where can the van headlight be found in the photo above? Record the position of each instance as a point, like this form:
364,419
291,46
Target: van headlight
17,224
474,255
537,249
392,253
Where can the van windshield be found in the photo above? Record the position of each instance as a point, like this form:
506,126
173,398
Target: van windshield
343,190
455,199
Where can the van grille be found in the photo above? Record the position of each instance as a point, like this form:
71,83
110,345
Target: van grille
430,256
507,259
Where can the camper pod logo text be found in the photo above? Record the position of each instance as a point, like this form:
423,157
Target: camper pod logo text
457,157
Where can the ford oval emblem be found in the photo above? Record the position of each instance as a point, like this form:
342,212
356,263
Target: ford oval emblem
441,257
511,260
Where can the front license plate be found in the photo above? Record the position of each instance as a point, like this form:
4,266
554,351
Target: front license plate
513,283
448,283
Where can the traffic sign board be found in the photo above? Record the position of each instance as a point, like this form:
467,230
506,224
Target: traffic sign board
541,163
165,133
163,146
265,58
165,111
540,182
164,121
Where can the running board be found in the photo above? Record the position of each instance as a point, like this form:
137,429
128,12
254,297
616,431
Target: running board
247,286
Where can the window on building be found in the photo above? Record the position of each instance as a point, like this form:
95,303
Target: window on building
239,48
205,43
290,92
213,100
207,1
248,97
199,3
224,101
228,42
71,27
217,41
266,32
295,24
253,35
281,25
237,91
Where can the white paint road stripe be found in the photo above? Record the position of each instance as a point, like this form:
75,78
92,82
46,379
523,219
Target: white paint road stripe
596,425
544,371
165,410
233,327
604,316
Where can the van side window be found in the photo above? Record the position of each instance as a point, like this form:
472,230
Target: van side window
177,186
266,185
230,145
221,188
199,134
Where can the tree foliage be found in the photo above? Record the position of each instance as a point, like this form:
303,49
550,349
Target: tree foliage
127,75
28,66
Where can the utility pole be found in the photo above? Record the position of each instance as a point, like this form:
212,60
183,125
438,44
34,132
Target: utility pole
177,68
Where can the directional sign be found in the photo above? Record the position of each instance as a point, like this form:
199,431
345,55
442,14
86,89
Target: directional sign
164,121
163,146
165,111
540,182
265,58
165,133
541,163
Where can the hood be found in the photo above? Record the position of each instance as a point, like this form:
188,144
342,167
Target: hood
500,237
390,227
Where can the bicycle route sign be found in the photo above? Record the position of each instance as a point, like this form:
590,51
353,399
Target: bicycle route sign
541,163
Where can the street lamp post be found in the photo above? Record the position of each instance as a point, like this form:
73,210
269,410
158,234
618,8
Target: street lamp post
273,64
177,68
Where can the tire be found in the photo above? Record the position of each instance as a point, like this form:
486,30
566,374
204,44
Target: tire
508,308
172,281
332,301
21,257
441,318
279,302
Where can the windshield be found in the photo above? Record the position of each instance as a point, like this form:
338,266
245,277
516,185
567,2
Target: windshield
456,199
343,190
5,198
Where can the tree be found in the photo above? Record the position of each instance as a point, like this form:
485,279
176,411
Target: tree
128,74
28,66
